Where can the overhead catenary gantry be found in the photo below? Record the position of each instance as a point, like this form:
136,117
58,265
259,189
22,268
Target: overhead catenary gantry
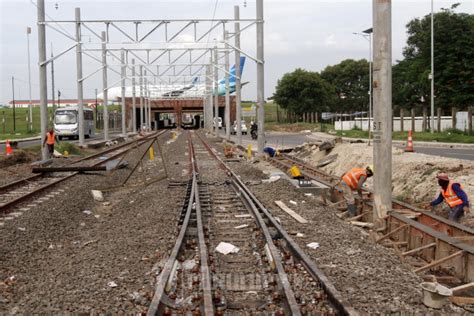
178,50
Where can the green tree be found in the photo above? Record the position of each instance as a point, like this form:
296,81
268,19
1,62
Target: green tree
303,91
453,60
350,79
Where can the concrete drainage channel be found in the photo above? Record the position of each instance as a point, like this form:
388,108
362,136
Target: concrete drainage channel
232,256
436,247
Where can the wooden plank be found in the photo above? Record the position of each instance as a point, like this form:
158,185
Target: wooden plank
357,217
290,212
464,238
406,253
462,300
461,288
438,262
396,230
362,224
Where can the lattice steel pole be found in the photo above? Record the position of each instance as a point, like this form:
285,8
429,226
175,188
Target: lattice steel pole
134,103
215,91
123,74
227,90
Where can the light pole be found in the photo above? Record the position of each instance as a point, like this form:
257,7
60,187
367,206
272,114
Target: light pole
30,109
367,34
431,76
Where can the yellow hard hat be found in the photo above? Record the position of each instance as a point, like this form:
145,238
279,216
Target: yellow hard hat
371,168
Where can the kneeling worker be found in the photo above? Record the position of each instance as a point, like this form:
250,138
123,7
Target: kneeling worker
271,152
353,181
454,195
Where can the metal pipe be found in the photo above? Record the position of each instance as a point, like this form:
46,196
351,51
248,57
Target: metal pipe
134,103
260,78
105,90
238,106
42,75
80,91
382,11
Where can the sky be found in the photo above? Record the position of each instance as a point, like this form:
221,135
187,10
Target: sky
309,34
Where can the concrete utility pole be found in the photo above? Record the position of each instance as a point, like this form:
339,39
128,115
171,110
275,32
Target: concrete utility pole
105,91
30,105
238,106
134,103
432,68
80,91
382,16
142,119
123,74
149,109
215,91
227,89
260,78
42,75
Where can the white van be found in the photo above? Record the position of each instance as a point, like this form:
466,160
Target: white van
66,122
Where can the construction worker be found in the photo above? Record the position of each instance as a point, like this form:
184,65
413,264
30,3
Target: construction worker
271,152
50,140
353,181
453,194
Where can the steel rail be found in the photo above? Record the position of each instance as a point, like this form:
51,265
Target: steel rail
335,298
5,207
434,221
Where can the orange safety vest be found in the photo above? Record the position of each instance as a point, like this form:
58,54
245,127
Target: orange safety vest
50,140
450,196
352,177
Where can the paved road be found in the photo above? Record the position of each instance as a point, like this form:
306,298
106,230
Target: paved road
282,140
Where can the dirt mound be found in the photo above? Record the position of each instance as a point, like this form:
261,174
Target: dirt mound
19,156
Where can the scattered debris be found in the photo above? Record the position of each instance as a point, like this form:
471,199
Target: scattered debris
290,212
243,215
97,195
313,245
241,226
112,284
299,235
22,229
293,202
271,179
226,248
189,264
87,212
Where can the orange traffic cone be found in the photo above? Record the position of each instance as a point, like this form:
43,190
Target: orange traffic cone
409,147
8,148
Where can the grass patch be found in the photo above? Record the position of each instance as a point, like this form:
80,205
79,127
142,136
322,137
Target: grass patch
296,127
444,137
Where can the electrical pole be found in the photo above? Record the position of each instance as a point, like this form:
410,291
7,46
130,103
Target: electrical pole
260,78
80,91
142,119
432,68
13,94
382,16
42,75
210,110
227,89
30,105
145,108
105,91
52,80
96,110
123,73
134,103
238,106
216,92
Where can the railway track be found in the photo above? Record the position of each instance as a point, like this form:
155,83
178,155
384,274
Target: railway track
265,273
12,194
428,241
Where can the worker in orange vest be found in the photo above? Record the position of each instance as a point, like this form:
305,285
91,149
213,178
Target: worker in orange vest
453,194
50,140
352,181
